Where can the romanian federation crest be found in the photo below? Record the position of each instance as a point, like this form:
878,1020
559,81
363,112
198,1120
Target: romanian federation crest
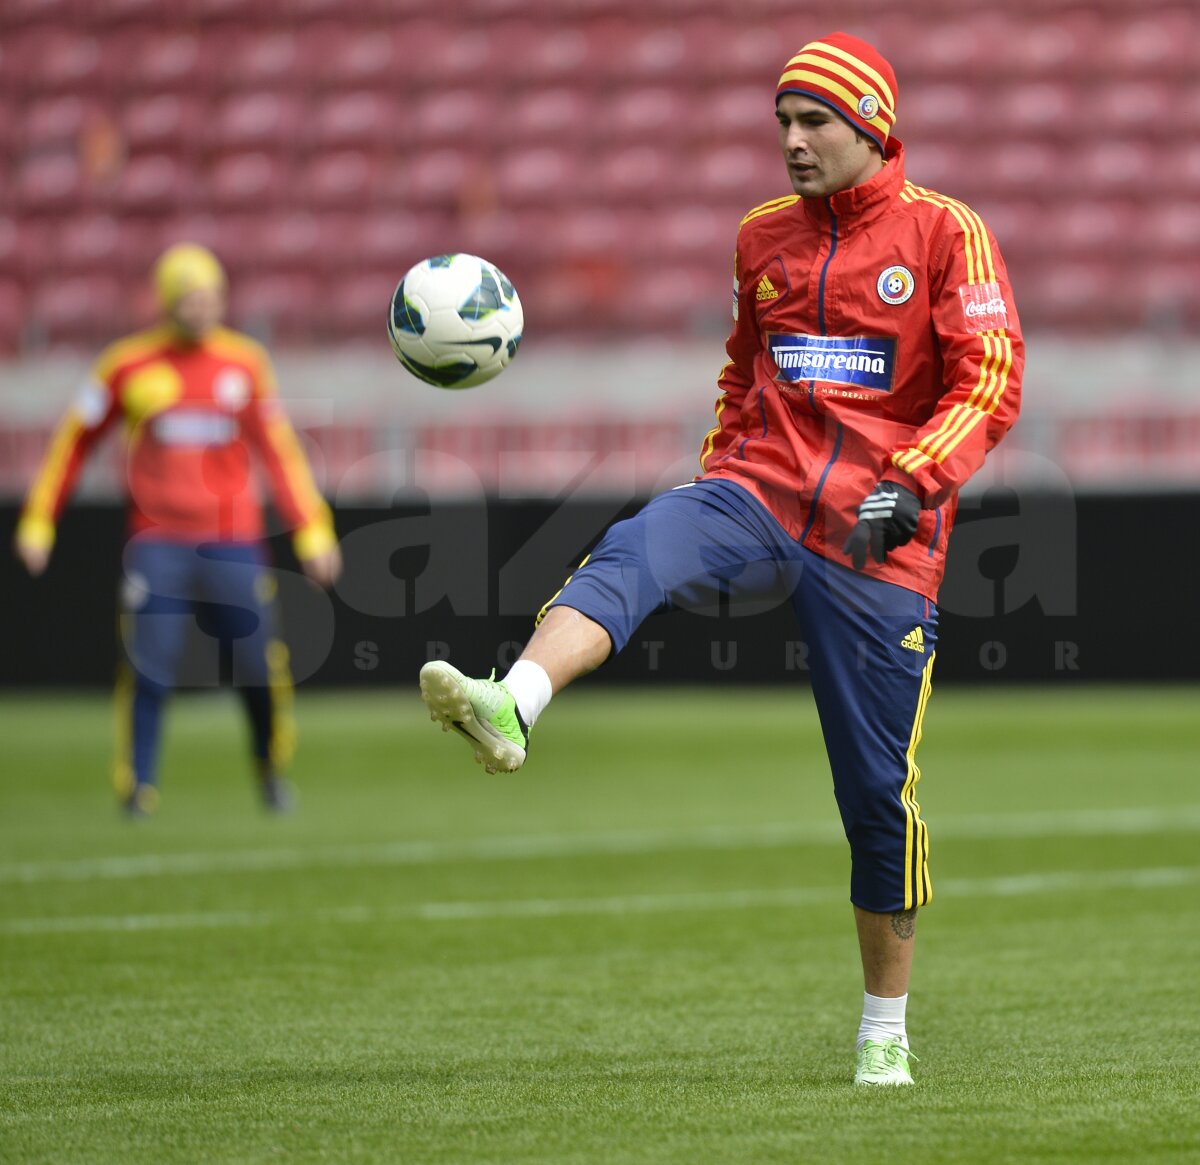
896,285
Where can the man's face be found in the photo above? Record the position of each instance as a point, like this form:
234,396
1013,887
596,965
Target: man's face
198,312
823,151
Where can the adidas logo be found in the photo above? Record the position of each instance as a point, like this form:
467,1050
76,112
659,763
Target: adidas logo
914,640
766,290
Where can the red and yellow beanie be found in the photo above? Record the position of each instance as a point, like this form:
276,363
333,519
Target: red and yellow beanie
849,76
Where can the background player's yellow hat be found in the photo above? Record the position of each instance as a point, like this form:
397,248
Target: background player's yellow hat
186,267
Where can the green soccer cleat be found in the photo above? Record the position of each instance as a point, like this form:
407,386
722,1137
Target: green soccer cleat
883,1062
482,711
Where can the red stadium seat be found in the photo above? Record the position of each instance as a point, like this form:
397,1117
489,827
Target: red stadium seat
651,113
277,306
56,59
264,59
1152,45
536,176
637,175
360,118
349,57
1115,167
444,115
263,119
156,182
548,115
168,122
341,178
49,180
740,113
1047,109
1146,108
1091,228
252,180
1172,229
162,60
91,309
54,122
89,242
12,317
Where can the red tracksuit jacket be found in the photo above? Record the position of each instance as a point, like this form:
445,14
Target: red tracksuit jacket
874,337
193,414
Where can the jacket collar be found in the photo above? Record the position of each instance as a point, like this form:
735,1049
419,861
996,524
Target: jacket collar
868,199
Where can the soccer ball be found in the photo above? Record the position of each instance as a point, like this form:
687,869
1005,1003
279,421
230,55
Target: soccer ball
455,321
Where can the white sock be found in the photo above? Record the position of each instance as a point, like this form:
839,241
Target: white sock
882,1019
530,686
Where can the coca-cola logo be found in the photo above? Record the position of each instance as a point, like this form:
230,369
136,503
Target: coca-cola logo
984,306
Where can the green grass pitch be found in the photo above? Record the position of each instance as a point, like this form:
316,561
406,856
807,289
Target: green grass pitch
636,950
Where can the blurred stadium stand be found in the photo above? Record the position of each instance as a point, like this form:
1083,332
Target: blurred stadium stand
601,152
1075,132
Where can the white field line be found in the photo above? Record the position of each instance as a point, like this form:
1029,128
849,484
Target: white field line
1062,882
996,826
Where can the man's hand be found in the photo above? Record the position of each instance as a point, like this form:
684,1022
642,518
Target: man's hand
887,518
324,568
34,556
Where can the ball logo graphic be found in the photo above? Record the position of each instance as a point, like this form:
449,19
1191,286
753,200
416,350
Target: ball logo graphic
896,285
868,106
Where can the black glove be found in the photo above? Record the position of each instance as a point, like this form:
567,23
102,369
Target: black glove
887,518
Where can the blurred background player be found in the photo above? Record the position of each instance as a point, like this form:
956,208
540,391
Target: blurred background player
196,400
875,359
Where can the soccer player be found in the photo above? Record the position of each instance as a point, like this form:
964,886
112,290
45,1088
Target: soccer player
196,400
875,359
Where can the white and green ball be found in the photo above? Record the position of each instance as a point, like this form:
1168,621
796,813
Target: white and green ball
455,321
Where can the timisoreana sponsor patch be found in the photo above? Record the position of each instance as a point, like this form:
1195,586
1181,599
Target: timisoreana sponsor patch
867,362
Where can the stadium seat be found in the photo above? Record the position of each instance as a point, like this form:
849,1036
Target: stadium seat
1152,45
168,121
637,174
92,308
357,57
12,316
57,59
54,122
548,115
1042,108
257,119
264,59
155,182
253,179
443,115
340,178
159,60
358,118
49,180
536,176
1137,109
646,113
277,307
740,113
89,242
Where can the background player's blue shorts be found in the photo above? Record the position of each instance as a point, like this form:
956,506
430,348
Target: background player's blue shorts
224,591
711,545
223,588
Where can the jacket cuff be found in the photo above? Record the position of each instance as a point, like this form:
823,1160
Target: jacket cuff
910,483
315,539
35,532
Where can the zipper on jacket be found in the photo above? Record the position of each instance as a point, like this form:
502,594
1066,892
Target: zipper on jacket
837,443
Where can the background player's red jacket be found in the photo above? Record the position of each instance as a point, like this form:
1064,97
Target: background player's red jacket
875,337
194,412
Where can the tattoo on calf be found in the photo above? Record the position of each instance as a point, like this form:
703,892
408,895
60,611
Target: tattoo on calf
904,922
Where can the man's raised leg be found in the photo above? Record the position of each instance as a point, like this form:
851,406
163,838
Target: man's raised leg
495,717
